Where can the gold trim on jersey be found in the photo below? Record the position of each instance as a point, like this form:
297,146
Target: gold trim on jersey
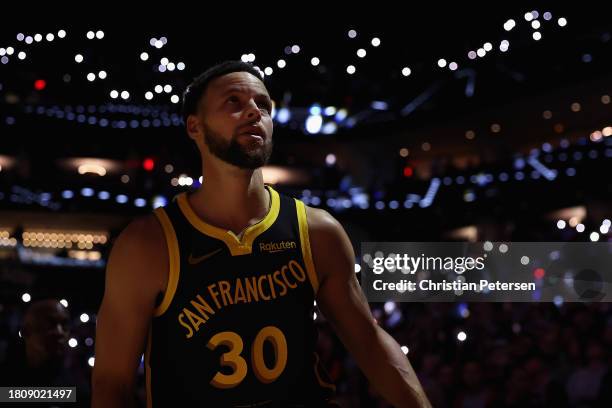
148,368
236,245
305,240
174,261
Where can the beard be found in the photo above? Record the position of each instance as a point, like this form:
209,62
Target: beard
234,153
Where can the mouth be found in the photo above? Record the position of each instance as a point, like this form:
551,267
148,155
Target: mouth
254,131
253,137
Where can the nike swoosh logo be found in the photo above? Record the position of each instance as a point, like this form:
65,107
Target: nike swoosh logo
196,260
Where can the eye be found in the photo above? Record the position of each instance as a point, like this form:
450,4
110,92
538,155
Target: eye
232,99
265,106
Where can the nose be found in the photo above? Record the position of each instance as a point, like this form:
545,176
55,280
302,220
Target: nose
252,111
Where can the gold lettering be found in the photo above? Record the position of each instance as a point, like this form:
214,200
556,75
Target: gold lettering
214,294
202,307
261,293
196,321
185,325
301,277
239,292
251,284
280,283
224,288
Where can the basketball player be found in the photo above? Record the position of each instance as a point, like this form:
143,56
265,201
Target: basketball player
217,288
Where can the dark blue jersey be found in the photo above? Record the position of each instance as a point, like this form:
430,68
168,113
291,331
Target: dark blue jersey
235,325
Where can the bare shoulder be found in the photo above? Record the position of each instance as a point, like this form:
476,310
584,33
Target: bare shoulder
332,251
140,252
321,222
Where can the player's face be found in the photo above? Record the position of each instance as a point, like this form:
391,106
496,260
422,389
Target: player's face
237,121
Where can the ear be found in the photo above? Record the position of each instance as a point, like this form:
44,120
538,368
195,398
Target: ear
194,129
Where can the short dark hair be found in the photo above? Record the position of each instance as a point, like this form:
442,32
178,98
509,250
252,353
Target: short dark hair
198,86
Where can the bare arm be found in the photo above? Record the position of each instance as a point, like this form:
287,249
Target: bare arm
133,275
342,302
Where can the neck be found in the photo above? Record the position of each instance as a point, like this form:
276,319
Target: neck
231,198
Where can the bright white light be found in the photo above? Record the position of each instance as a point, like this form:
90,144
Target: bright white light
330,159
560,224
389,307
114,94
21,55
10,51
504,45
357,268
375,41
580,227
174,99
535,24
158,44
64,302
125,95
144,56
91,35
171,66
509,25
102,74
481,52
159,89
361,53
594,236
281,63
244,58
404,349
20,37
314,61
26,297
84,317
91,361
251,57
295,49
441,62
487,46
50,37
73,342
350,69
461,336
37,37
61,33
562,22
148,95
537,36
91,76
314,123
604,229
406,71
99,34
453,66
352,33
268,71
164,61
528,16
29,40
78,58
167,88
180,66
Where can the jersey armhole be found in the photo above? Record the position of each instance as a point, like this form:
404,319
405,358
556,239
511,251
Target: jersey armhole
305,242
173,258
